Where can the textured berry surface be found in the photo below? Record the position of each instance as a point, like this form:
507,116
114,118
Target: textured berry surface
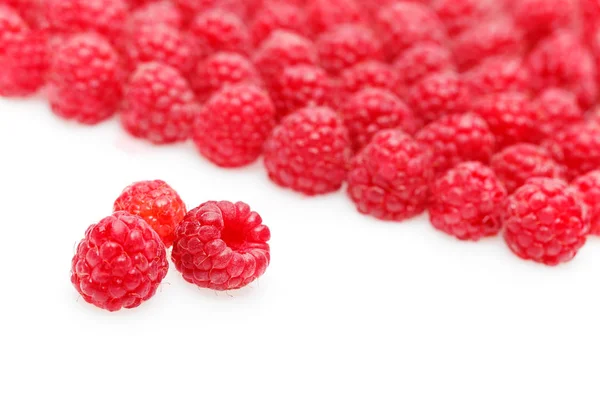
460,15
545,222
155,13
12,28
277,16
539,18
588,187
577,147
159,105
221,246
456,138
234,124
468,202
157,203
324,15
556,109
218,30
368,74
498,75
120,262
371,110
594,116
516,164
389,179
309,152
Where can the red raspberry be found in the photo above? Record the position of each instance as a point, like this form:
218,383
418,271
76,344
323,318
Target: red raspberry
545,222
346,46
13,29
516,164
456,138
159,105
190,8
29,10
511,117
594,116
539,18
218,30
324,15
403,25
84,79
157,203
591,15
389,179
371,110
556,110
309,152
588,187
368,74
577,147
155,13
461,15
277,16
234,124
497,75
221,246
222,69
562,61
437,95
468,202
120,262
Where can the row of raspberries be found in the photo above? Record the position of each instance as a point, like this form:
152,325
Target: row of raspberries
483,112
123,258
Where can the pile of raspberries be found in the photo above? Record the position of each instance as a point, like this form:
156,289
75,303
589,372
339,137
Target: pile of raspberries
484,113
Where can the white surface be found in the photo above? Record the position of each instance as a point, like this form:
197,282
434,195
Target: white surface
350,306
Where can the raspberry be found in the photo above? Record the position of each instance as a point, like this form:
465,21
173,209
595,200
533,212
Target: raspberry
324,15
120,262
218,30
346,46
562,61
468,202
309,152
420,61
277,16
539,18
497,75
234,124
371,110
368,74
516,164
556,110
222,69
190,8
157,203
403,25
511,118
588,187
461,15
84,79
591,15
29,10
438,95
221,246
594,116
155,13
159,105
545,222
577,147
13,29
456,138
389,179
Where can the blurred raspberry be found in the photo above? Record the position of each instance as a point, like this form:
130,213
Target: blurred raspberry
324,15
277,16
588,187
591,15
154,13
498,75
540,18
577,147
30,10
368,74
461,15
191,8
556,110
218,30
594,116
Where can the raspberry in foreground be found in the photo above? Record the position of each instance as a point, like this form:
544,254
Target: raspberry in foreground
120,262
577,147
556,110
545,222
468,202
221,246
309,152
217,30
498,75
234,124
389,179
159,105
588,187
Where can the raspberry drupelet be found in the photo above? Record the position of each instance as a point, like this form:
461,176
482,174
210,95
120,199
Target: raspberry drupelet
221,246
556,110
157,203
468,202
577,147
389,179
120,262
545,222
277,15
218,30
498,75
588,187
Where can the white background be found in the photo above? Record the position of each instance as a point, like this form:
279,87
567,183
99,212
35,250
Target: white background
350,306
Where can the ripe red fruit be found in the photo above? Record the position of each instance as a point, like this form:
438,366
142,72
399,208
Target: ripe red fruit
12,28
577,147
498,75
461,15
276,16
389,179
518,163
594,116
29,10
221,246
539,18
155,13
217,30
234,124
545,222
120,262
556,109
309,152
159,105
191,8
468,202
588,187
324,15
373,74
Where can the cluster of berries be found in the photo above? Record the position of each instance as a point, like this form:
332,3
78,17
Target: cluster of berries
483,112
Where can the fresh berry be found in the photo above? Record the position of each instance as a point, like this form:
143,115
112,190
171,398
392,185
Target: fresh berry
539,18
191,8
437,95
556,110
221,69
120,262
577,147
367,112
218,30
456,138
468,202
516,164
389,179
309,152
161,12
511,117
545,222
591,15
277,16
13,29
324,15
368,74
588,187
594,116
30,10
159,105
85,79
461,15
234,124
403,25
497,75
